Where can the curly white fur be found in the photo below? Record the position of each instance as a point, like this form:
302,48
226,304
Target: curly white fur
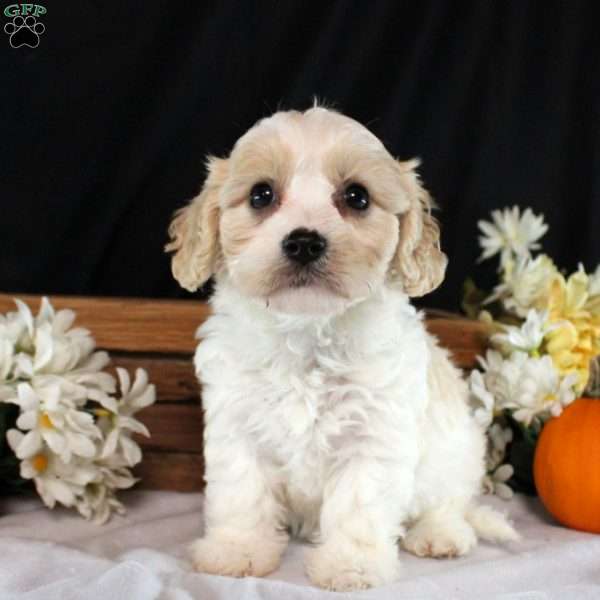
347,426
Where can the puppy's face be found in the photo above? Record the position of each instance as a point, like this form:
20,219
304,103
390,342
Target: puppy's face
309,213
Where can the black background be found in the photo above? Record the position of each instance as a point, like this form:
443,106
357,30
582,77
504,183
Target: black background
105,125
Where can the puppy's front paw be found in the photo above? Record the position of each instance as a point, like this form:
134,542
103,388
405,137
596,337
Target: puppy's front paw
345,566
239,557
440,539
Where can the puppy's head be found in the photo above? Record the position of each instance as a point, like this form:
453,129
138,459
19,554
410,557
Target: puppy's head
309,213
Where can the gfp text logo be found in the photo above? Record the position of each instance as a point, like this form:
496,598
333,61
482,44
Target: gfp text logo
24,28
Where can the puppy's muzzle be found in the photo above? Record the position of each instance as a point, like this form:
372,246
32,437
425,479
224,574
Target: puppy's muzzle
303,246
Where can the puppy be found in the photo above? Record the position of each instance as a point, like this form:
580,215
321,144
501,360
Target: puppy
331,413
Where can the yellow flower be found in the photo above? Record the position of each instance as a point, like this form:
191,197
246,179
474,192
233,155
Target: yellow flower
575,338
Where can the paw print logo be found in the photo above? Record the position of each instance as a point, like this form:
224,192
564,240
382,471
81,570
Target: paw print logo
24,31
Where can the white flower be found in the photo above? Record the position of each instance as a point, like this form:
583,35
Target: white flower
13,325
65,430
528,386
498,438
98,502
495,483
540,391
6,357
16,326
481,400
525,285
55,480
511,234
133,399
500,375
87,382
594,282
528,337
58,349
72,436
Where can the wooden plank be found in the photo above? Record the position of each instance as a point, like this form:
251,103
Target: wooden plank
173,428
171,471
173,376
130,324
168,326
463,337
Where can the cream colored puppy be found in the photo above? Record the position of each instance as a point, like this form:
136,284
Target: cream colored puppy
331,413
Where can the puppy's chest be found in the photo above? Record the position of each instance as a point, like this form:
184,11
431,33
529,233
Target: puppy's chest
308,404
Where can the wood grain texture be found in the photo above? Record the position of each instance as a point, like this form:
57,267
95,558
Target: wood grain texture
173,376
173,427
171,471
130,324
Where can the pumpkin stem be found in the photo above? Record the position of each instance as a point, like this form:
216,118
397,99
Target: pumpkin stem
592,389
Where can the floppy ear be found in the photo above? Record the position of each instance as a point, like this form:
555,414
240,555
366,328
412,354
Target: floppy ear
419,264
194,231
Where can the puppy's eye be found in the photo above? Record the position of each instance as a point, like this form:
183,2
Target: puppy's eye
356,197
261,195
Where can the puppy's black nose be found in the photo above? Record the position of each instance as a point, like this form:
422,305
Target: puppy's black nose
304,246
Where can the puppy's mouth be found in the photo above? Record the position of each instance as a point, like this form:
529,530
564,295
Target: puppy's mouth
309,276
306,277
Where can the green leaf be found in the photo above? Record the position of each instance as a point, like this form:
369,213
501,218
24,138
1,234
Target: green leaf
473,298
10,479
8,419
520,453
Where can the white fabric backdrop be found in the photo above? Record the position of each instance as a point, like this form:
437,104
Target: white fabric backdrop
47,555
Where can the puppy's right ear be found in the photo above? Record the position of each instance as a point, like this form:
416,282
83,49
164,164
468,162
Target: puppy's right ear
194,231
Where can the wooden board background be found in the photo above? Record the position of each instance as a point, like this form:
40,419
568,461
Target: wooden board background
159,335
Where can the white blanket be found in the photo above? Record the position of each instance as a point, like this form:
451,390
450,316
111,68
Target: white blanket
47,555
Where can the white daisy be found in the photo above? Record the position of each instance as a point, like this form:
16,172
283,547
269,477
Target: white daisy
98,500
72,436
594,282
500,375
97,503
12,327
525,284
58,349
19,325
540,391
498,439
528,337
481,400
55,480
511,234
48,421
495,483
119,426
530,387
6,358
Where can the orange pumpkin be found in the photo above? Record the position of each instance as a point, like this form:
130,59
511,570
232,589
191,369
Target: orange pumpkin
566,466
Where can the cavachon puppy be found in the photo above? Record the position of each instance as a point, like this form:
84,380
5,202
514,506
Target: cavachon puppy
331,413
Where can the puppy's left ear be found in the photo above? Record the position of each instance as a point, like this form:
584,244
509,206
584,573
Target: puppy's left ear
419,264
